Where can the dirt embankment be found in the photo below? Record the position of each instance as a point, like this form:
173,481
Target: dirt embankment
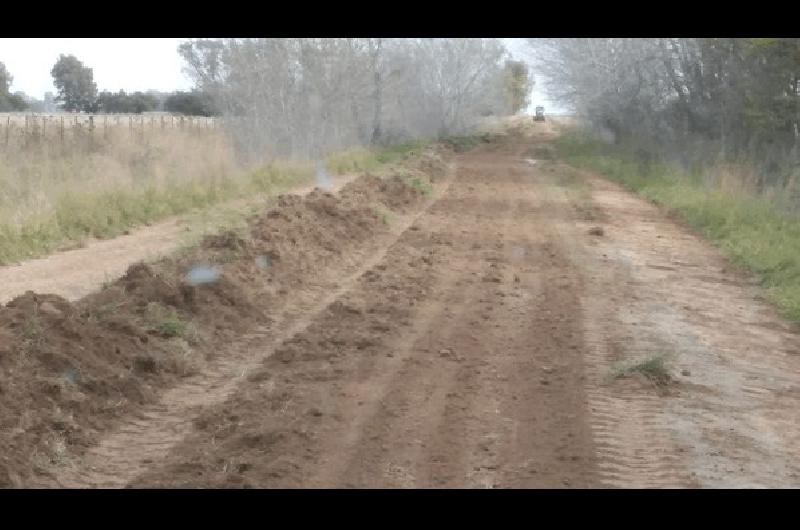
70,371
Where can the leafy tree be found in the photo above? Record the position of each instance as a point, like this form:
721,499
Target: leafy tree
5,79
9,102
193,103
77,90
694,99
121,102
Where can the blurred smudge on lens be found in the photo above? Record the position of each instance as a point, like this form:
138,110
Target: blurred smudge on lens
202,274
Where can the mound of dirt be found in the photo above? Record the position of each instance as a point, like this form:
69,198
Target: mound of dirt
69,371
393,192
542,152
432,163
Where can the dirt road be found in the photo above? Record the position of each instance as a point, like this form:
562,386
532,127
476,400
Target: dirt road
473,346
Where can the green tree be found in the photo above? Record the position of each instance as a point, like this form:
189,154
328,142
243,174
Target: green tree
195,103
9,102
77,90
135,103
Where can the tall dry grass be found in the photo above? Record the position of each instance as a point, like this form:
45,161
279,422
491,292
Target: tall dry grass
102,183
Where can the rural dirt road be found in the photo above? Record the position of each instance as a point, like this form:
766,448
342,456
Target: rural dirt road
472,345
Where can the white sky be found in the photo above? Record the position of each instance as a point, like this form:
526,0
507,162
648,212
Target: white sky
520,50
138,64
128,64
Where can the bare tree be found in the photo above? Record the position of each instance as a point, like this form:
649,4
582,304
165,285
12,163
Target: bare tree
305,97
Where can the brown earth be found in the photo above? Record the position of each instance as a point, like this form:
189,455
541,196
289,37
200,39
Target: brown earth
468,339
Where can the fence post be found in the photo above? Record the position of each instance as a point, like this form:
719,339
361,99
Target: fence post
61,133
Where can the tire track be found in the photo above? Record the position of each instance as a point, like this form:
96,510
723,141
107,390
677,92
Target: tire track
427,376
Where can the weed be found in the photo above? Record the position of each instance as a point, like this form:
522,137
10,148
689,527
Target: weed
383,214
32,329
32,332
421,185
654,368
165,321
360,159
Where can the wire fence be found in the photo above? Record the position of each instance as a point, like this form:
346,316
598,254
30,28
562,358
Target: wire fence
21,130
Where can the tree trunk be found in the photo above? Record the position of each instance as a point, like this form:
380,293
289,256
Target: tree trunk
378,93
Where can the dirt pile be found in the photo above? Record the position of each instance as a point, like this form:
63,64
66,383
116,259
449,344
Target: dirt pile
69,371
351,335
396,193
433,162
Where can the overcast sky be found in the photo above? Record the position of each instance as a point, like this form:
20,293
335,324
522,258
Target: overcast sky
133,64
128,64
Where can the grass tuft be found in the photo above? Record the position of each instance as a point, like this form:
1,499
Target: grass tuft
425,187
654,368
165,321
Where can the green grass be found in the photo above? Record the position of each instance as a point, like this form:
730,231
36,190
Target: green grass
76,216
383,213
165,321
50,202
654,368
753,231
467,142
359,159
423,186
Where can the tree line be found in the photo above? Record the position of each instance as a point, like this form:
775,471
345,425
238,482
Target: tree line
304,97
77,92
694,99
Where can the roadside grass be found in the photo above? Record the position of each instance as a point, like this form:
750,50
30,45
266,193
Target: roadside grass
466,142
653,368
424,186
359,159
753,230
56,197
51,201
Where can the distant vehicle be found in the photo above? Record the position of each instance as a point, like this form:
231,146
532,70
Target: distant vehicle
539,114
